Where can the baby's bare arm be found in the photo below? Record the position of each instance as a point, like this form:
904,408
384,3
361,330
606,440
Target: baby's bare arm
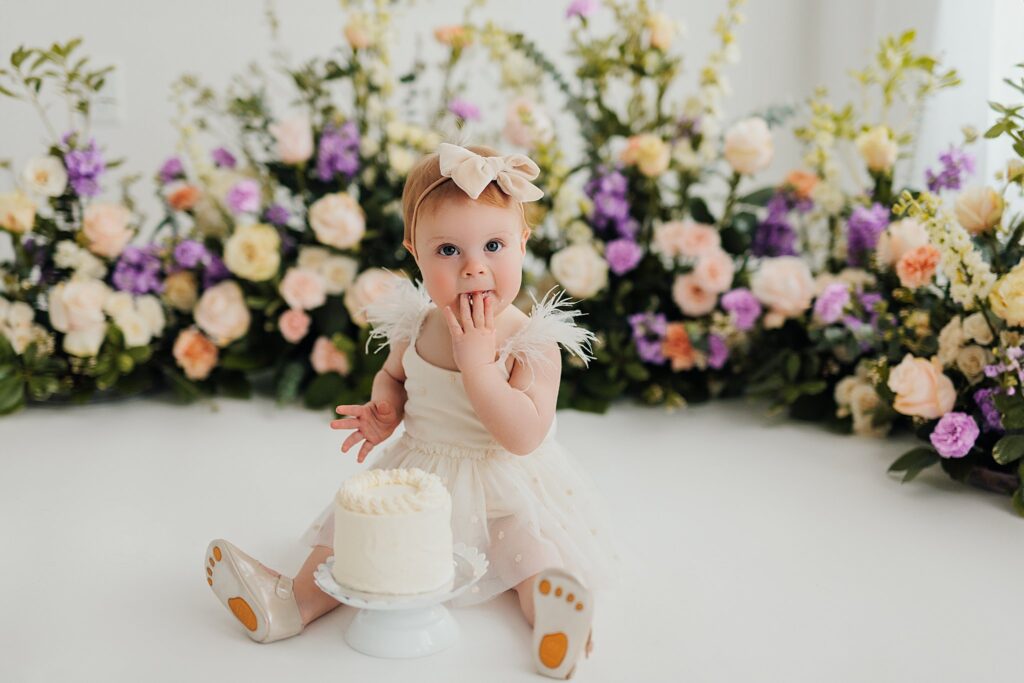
518,418
389,382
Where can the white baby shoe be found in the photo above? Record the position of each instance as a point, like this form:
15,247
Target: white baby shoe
563,612
262,601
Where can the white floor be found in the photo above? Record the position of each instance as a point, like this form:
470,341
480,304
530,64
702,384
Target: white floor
772,551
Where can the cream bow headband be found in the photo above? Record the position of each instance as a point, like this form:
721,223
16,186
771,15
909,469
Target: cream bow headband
472,173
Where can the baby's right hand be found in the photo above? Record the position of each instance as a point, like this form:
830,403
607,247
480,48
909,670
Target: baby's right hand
375,421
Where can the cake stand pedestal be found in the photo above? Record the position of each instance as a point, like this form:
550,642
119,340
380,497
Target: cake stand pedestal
404,626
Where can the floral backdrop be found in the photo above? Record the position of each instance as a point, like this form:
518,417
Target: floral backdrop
849,294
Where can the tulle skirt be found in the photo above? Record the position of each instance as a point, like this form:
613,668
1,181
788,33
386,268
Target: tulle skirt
527,513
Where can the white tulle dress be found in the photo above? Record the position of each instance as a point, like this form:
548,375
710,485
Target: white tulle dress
526,512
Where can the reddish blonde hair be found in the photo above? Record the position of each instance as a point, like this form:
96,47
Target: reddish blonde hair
425,173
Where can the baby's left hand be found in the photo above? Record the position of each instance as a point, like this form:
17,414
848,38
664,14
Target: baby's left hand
474,342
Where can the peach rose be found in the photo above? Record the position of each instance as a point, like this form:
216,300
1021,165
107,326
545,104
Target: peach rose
921,388
917,267
662,29
453,35
526,124
222,314
783,284
678,348
183,197
195,354
338,220
106,228
877,148
76,309
17,212
685,238
978,209
648,152
899,238
357,33
294,138
327,358
714,271
303,289
748,146
691,298
368,286
294,325
802,182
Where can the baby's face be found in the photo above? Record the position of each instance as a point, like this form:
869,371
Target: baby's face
465,247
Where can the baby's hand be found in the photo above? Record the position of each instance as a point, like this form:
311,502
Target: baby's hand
374,422
473,337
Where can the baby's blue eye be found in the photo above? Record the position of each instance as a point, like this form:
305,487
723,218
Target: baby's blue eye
500,245
442,251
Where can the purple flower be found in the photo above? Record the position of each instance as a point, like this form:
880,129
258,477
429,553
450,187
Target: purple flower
718,352
138,271
277,215
956,165
338,152
775,235
464,109
244,197
743,306
830,304
623,255
84,168
864,227
190,253
223,158
986,402
214,272
954,435
581,9
608,191
171,170
648,335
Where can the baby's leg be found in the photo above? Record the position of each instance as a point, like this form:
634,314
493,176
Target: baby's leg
525,591
313,602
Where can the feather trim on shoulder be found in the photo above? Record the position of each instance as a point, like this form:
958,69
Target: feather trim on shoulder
395,314
550,321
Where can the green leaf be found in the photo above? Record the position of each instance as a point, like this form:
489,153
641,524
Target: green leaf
1018,501
234,384
637,372
12,394
1008,449
323,390
244,361
912,462
792,367
758,197
289,381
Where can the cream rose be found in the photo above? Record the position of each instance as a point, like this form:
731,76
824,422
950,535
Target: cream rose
327,358
951,338
714,271
899,238
294,138
1007,297
685,238
338,220
357,33
150,309
692,299
46,176
253,252
181,291
648,152
976,328
748,146
338,273
195,354
580,269
662,30
303,289
222,314
921,388
134,327
971,361
978,209
294,325
367,288
106,228
76,309
878,149
17,212
783,284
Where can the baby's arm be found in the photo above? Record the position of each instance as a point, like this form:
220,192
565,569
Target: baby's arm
389,382
375,421
517,412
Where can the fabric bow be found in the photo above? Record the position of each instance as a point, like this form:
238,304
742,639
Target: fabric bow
472,172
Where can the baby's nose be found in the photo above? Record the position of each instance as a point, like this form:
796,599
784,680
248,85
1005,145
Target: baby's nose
473,269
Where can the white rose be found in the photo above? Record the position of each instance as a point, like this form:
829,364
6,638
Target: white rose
46,176
951,338
401,160
106,228
77,304
878,148
338,220
976,328
152,311
338,272
18,314
253,252
294,138
783,284
979,209
134,327
748,146
117,303
368,286
580,269
222,314
899,238
86,341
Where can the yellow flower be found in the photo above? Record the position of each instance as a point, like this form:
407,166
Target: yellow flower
1007,297
648,152
17,212
253,252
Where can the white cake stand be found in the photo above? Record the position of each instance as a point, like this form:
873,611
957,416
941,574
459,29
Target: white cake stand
404,626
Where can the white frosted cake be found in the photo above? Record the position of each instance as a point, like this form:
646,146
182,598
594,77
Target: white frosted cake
393,533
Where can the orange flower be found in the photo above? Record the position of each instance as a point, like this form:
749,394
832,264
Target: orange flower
677,347
917,267
453,35
802,182
184,198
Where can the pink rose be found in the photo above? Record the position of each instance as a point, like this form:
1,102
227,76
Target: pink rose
691,298
327,358
294,139
685,238
784,284
368,286
526,124
303,289
714,271
921,388
222,313
106,228
294,325
195,354
917,267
